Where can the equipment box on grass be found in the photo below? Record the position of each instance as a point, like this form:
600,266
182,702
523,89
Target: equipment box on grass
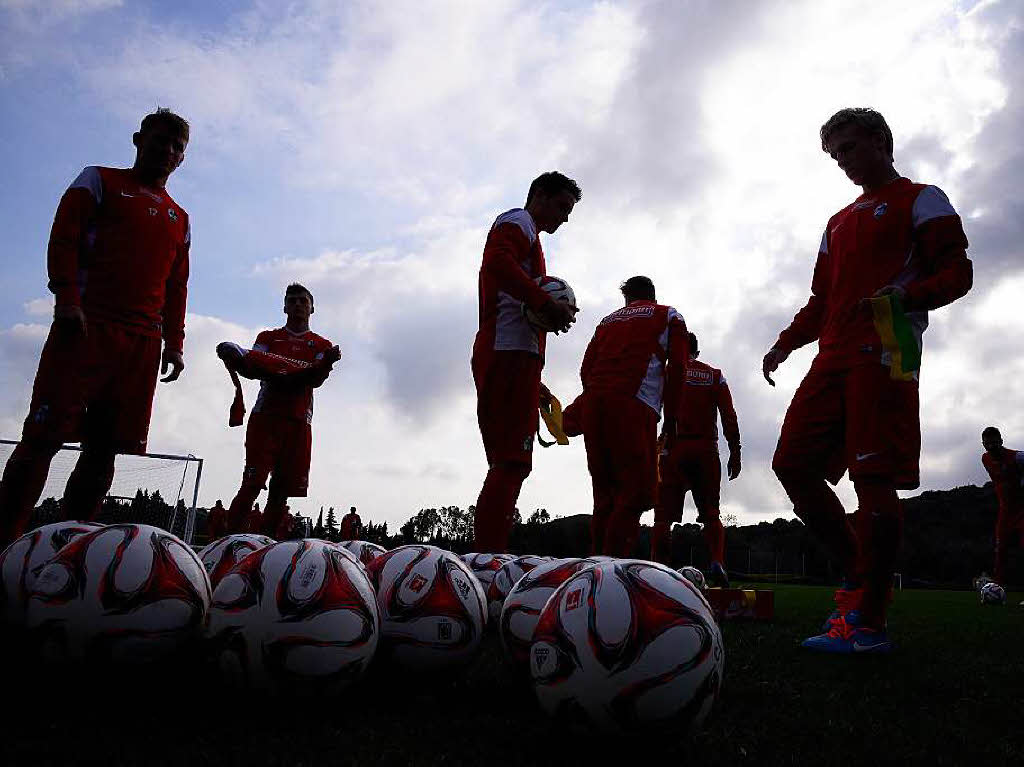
741,603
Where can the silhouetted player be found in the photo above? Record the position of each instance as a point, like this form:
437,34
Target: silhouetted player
351,525
508,354
1006,468
279,435
623,374
118,266
895,252
691,461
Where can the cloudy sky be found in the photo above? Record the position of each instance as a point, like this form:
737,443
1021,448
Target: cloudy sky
364,148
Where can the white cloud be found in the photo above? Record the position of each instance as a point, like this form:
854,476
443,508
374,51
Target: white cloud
39,307
693,131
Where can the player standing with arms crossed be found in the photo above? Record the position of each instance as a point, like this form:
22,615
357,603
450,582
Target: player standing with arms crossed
279,436
691,461
623,373
508,354
1006,468
894,253
118,266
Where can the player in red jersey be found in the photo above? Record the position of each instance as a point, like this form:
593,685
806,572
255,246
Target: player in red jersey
118,267
508,353
623,373
894,253
279,436
691,461
1006,468
217,521
351,525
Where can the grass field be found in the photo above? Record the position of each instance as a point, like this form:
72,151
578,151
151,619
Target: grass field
951,695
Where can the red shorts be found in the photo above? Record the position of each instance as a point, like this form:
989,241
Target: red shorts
855,418
507,395
621,435
690,466
97,388
280,447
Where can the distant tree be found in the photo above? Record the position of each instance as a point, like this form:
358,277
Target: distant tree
331,527
729,520
318,529
539,517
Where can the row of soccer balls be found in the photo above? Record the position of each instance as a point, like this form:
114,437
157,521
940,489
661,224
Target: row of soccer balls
622,643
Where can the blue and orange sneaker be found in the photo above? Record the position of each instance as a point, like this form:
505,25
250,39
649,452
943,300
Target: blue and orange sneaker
847,598
717,575
850,635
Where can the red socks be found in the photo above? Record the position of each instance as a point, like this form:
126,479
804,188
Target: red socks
880,533
496,507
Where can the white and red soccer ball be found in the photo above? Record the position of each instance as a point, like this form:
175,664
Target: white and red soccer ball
694,576
507,577
522,607
21,562
992,593
295,616
486,566
559,290
433,610
629,646
124,593
364,551
219,556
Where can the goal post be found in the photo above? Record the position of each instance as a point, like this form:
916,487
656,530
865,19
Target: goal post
175,477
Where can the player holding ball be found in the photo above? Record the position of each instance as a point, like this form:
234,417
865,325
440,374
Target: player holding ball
508,352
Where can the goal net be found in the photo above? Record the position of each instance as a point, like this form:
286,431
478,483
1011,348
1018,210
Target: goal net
153,489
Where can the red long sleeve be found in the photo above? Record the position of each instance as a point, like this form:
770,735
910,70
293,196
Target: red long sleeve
806,325
71,223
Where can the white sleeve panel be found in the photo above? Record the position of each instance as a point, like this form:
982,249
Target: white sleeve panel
521,218
823,248
188,233
931,203
90,179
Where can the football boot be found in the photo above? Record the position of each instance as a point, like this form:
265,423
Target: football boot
850,635
717,576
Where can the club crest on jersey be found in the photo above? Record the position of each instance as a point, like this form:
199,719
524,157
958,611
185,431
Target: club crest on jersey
171,214
880,210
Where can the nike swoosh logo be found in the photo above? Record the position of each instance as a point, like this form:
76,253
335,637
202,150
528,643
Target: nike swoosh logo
125,194
857,647
862,456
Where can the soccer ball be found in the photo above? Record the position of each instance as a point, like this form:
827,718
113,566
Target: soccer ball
123,593
694,576
980,581
432,609
21,562
506,578
992,594
628,646
364,551
295,616
224,553
522,606
486,566
559,290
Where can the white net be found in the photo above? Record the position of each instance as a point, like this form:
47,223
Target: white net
169,485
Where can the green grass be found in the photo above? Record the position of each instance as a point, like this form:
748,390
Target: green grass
951,693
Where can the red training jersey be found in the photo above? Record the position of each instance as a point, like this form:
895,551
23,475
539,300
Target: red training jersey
351,524
1006,468
705,396
512,260
630,349
281,398
903,234
120,251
